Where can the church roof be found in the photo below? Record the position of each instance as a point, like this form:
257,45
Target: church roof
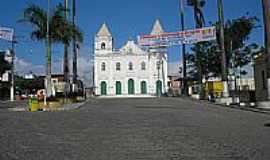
157,28
104,31
132,48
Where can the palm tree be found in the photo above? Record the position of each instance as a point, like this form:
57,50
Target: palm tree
60,30
69,31
266,15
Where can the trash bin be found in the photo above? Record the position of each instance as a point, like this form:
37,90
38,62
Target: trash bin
33,104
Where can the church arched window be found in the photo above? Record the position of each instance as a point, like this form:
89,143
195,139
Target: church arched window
118,66
143,66
103,46
103,66
130,66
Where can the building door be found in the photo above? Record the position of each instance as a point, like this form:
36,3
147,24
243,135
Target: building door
143,87
158,87
103,88
118,88
131,86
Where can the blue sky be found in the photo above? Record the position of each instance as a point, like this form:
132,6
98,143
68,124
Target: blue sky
125,18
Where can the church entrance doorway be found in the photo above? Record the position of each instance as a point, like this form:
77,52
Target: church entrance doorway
143,87
158,87
118,88
131,86
103,88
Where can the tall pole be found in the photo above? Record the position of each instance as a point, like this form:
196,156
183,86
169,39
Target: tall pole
184,88
222,49
266,17
66,46
48,56
74,43
12,69
199,23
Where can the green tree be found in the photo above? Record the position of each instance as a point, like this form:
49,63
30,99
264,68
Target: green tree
70,32
29,85
60,30
236,32
209,58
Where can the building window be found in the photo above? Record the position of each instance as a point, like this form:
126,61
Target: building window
158,65
118,66
130,66
103,46
103,66
143,66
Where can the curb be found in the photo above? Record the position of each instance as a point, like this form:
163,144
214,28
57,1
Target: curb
257,110
64,108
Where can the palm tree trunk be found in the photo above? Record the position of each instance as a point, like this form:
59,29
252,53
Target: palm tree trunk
222,49
66,64
266,15
66,45
48,84
49,69
74,44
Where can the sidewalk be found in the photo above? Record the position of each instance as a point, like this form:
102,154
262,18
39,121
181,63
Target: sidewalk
245,108
14,104
24,107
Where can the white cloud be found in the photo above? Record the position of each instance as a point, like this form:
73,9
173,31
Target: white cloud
85,67
23,67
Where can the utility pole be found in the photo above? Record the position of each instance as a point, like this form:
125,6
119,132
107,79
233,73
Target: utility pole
12,68
266,18
199,23
184,88
222,49
74,43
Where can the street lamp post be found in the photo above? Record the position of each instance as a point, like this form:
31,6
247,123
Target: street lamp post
184,88
158,81
199,23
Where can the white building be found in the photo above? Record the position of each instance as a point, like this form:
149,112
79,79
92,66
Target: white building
130,70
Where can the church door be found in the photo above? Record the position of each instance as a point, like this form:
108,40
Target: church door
158,87
103,88
118,88
131,86
143,87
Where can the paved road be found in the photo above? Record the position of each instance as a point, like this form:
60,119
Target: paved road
136,129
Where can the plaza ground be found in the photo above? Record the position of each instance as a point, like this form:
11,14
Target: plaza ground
123,129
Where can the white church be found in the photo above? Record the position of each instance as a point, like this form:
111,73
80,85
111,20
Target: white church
131,70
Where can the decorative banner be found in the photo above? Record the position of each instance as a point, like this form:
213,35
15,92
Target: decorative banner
6,33
178,38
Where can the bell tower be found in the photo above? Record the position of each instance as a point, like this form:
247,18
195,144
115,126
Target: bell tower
103,41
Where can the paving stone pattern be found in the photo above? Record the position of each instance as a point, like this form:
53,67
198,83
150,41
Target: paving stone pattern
136,129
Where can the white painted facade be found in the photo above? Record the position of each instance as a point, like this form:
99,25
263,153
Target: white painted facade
119,67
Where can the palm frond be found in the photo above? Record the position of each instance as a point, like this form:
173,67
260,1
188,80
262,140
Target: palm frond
37,17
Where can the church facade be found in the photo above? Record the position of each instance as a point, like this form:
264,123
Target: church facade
130,70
